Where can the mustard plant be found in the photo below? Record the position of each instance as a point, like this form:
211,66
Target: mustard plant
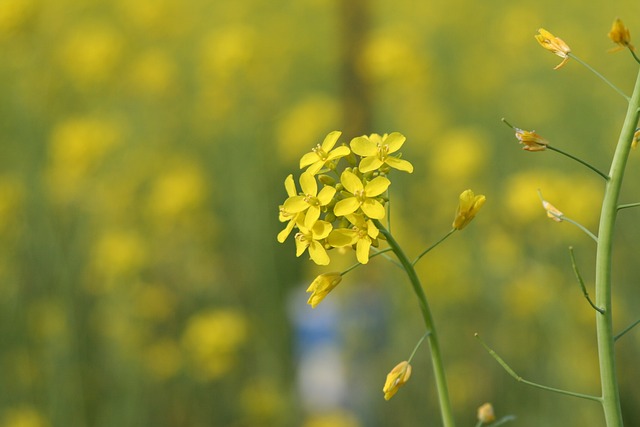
350,210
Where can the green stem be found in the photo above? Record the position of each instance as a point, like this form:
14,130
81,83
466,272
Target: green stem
634,55
581,282
604,321
582,162
600,76
536,385
432,337
580,226
627,329
628,205
426,251
357,264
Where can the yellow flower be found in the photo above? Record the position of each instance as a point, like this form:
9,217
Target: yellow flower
553,44
468,207
396,379
321,286
552,211
311,200
636,138
320,155
310,238
531,141
376,151
361,234
486,414
362,196
284,215
620,35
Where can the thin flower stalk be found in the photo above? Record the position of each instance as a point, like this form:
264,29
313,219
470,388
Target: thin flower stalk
432,338
600,76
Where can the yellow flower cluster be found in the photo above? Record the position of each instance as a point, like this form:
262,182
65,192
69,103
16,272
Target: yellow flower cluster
354,182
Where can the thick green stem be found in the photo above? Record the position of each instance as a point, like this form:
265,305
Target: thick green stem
432,337
604,321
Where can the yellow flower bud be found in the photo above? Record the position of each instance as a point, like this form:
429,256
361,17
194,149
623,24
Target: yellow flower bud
531,141
620,35
553,44
486,414
396,379
321,286
468,207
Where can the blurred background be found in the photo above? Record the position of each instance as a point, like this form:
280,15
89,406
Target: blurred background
143,150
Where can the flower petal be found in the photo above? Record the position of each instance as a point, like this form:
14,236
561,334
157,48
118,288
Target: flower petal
313,214
307,159
369,164
399,164
351,182
282,236
315,167
342,237
341,151
308,184
321,229
376,186
346,206
295,204
373,209
372,230
290,186
330,140
362,250
395,141
318,254
363,146
326,195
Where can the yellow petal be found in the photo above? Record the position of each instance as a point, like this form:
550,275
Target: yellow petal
351,182
362,250
373,209
369,164
399,164
346,206
318,254
395,141
308,184
362,146
376,186
330,140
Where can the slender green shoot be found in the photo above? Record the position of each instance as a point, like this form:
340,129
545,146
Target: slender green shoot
634,55
600,76
375,254
627,329
582,162
536,385
581,282
433,246
628,205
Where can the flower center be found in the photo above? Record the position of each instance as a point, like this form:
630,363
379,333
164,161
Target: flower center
360,195
319,152
311,200
383,151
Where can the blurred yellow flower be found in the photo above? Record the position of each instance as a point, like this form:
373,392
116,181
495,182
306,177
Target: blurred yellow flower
23,416
91,52
362,196
153,73
116,253
77,147
14,14
636,138
211,340
398,376
321,286
332,419
377,151
553,44
620,35
178,191
486,414
531,141
468,207
162,358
